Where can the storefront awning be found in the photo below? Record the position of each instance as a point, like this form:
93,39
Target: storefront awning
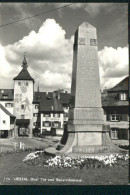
22,121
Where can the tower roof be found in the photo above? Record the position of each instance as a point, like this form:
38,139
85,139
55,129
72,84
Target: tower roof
24,74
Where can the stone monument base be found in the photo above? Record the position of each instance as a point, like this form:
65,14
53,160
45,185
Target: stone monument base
104,145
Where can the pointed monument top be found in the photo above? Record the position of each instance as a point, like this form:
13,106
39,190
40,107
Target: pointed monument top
86,25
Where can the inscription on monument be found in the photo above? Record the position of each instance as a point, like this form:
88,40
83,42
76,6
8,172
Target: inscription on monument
81,41
93,42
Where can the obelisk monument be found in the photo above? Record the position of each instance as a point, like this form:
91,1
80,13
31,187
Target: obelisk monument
86,130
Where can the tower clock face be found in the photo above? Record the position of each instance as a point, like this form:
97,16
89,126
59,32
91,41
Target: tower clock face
23,89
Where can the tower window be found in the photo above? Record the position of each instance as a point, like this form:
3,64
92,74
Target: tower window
19,83
22,106
22,116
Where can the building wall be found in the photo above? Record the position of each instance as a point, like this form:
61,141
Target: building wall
5,102
6,118
23,96
36,116
118,119
51,120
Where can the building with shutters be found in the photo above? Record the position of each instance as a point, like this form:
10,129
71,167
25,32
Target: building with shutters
116,109
22,111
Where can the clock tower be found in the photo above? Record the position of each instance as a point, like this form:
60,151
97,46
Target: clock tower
23,98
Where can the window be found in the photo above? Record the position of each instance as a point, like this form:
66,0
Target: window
8,105
22,116
56,124
65,114
47,115
36,114
36,106
114,117
19,83
5,96
123,96
26,83
56,114
4,122
46,124
22,106
36,124
114,133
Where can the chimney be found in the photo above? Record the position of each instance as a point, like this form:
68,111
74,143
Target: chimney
58,95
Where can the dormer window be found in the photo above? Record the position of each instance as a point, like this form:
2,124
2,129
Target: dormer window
123,96
5,96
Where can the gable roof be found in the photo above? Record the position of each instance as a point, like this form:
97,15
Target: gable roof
65,98
112,99
6,92
49,103
6,111
121,86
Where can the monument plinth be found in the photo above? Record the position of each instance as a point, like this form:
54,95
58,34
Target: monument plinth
86,130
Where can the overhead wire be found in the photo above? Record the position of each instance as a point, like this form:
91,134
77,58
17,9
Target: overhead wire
29,17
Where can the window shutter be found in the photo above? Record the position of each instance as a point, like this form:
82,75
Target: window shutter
108,117
5,104
43,123
52,124
49,123
124,117
59,125
118,96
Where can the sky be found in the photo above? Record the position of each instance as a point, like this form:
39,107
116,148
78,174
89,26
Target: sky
48,42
